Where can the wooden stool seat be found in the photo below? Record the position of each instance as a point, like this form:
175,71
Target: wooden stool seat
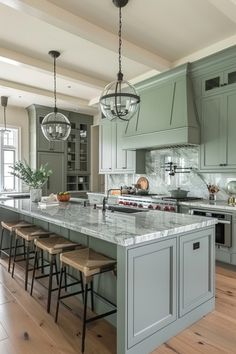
30,233
12,225
87,261
54,244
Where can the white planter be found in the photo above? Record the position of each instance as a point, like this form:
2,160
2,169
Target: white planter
35,195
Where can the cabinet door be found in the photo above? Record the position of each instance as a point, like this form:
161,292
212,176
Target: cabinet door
212,82
196,270
213,133
43,143
231,129
230,76
56,162
123,160
105,147
152,289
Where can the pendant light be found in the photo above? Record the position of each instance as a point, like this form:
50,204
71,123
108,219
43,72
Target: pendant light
119,98
55,126
4,101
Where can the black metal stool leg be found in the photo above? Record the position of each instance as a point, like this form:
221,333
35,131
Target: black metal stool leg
1,242
92,297
63,269
65,277
34,270
42,262
24,248
14,259
50,283
56,270
27,246
82,285
10,252
84,317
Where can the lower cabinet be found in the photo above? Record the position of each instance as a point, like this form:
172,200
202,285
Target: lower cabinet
56,162
196,270
152,287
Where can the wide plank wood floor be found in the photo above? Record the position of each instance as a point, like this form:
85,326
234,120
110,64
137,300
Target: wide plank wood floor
26,328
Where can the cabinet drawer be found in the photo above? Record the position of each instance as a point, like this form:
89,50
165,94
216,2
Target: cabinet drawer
196,269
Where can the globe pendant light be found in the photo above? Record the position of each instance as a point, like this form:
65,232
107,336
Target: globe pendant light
4,101
55,126
119,98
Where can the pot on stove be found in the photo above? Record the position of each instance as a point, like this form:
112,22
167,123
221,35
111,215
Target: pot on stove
178,193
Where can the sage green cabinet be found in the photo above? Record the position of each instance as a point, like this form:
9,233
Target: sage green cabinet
56,162
152,291
196,283
112,157
218,81
218,126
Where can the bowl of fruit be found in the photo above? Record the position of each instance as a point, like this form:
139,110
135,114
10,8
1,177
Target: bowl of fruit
63,196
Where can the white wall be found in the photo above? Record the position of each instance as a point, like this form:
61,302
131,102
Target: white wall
18,117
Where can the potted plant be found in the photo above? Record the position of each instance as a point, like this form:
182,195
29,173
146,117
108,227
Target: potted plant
34,178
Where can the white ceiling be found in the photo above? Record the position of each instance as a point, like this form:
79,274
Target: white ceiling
158,34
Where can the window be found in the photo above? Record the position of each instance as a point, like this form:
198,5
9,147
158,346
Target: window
8,156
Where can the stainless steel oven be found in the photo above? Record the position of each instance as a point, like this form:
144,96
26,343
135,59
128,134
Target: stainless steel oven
223,228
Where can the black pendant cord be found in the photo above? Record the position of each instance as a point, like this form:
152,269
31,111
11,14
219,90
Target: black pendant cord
55,84
120,75
4,117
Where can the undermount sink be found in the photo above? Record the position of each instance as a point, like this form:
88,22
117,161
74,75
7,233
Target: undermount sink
123,209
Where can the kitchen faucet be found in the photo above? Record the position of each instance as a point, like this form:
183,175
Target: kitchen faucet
105,199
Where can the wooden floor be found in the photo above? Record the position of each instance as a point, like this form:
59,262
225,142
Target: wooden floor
26,328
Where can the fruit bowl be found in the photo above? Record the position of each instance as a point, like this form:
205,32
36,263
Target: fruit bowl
63,197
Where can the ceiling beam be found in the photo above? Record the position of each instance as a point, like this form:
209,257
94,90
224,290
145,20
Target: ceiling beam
227,7
42,92
46,67
65,20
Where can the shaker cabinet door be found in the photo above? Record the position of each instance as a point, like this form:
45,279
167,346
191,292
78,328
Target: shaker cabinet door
152,288
56,162
231,129
105,147
196,270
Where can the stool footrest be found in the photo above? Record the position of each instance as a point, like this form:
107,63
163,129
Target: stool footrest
100,316
71,294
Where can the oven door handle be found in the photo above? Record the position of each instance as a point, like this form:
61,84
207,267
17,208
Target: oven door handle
224,222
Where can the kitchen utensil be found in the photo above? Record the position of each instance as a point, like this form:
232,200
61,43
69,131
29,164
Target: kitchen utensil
231,187
178,193
143,182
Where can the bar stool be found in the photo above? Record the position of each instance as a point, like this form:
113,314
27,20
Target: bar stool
11,226
89,263
28,235
53,246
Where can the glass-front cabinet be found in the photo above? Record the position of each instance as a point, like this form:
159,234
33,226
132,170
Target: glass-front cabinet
78,154
217,80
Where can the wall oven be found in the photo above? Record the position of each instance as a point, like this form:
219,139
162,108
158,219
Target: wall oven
223,228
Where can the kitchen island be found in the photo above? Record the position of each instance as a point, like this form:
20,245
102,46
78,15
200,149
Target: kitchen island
165,265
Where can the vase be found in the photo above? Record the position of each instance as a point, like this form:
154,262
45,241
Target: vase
35,195
212,197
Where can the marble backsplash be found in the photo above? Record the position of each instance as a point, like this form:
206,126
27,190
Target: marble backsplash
188,177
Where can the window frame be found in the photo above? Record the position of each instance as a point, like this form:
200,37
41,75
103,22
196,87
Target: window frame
16,149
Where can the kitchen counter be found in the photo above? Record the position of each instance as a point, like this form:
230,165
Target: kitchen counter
218,204
119,228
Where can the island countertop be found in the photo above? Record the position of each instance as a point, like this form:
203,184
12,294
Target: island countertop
119,228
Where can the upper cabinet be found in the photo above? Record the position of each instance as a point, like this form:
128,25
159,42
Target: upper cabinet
113,158
214,81
218,132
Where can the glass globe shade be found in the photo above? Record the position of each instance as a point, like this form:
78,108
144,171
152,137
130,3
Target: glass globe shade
119,100
56,126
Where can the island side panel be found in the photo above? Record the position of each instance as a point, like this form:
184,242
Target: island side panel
154,269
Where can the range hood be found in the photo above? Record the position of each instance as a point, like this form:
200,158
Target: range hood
168,115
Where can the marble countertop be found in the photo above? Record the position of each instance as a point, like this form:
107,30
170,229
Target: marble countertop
119,228
218,204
